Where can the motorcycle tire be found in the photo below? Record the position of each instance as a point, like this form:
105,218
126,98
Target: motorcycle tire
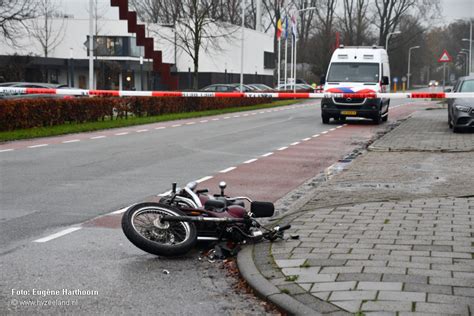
141,225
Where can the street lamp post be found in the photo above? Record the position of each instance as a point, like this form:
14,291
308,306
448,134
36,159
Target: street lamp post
294,73
470,46
409,61
388,37
466,56
242,49
91,45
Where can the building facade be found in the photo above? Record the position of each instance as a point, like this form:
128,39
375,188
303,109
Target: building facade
120,64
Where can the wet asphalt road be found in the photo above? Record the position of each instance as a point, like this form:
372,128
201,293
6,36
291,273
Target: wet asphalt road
78,177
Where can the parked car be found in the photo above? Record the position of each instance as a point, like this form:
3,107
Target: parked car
300,87
259,87
433,83
461,110
39,85
231,87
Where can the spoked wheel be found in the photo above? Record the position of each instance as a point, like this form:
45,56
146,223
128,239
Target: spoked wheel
143,226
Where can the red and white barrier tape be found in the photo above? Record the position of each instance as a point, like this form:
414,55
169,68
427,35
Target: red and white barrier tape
200,94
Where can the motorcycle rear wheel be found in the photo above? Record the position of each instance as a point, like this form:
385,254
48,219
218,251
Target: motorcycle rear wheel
142,226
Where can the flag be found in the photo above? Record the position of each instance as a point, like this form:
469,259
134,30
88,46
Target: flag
293,26
286,27
279,29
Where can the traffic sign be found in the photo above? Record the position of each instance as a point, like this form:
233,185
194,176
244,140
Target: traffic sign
445,57
404,79
395,79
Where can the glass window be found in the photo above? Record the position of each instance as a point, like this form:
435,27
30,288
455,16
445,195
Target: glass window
353,72
467,86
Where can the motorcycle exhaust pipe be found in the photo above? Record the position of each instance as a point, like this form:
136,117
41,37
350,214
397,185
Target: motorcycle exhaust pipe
201,219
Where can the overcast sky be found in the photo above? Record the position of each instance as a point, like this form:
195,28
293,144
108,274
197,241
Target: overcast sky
451,9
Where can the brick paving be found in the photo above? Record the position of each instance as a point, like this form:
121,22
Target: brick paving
408,252
425,131
390,255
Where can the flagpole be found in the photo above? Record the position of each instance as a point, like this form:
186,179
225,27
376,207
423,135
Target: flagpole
292,55
279,62
294,87
286,60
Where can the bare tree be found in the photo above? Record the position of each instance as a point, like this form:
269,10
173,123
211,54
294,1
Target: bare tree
355,22
48,30
389,13
13,15
194,25
325,24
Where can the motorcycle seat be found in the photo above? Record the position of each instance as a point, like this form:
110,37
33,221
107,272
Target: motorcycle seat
214,205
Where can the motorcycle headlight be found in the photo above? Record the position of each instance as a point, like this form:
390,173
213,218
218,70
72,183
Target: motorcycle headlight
463,108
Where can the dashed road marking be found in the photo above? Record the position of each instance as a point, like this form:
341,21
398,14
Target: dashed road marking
267,154
215,119
161,127
190,123
37,146
58,234
176,125
332,129
121,134
251,160
142,131
283,148
325,132
203,121
122,210
294,144
227,117
204,179
5,150
71,141
306,139
315,135
98,137
227,170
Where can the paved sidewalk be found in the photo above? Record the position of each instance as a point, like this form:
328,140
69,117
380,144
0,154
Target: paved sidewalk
392,234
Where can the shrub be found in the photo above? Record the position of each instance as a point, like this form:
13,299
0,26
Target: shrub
39,112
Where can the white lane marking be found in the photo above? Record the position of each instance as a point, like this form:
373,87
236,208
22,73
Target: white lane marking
190,123
253,113
122,210
121,134
325,132
267,154
37,146
340,126
98,137
227,117
344,125
71,141
251,160
204,179
282,148
227,170
5,150
306,139
142,131
294,144
262,112
332,129
236,116
161,127
245,115
215,119
315,135
57,235
203,121
176,125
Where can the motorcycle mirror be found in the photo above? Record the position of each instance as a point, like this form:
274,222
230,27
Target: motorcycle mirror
222,185
192,185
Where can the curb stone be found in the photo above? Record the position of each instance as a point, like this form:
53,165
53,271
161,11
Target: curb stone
267,290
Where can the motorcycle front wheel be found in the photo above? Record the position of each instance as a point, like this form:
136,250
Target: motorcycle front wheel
142,225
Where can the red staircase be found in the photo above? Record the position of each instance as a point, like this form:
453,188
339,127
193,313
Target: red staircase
147,42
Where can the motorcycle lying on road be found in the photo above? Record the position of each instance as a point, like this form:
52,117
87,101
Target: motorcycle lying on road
182,216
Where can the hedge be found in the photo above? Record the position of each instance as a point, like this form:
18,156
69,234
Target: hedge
40,112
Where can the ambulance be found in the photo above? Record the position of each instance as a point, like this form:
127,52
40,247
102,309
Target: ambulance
357,70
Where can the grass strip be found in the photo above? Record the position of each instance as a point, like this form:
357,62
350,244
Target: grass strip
131,121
